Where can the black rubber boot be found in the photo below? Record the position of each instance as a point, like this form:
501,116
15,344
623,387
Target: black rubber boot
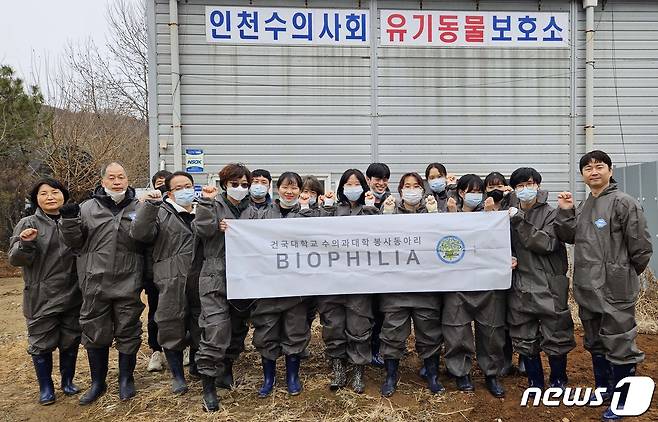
534,370
464,383
358,385
494,386
432,375
175,361
558,377
225,381
619,372
339,374
194,372
375,343
210,399
391,382
67,360
43,365
292,375
269,378
98,360
602,376
127,363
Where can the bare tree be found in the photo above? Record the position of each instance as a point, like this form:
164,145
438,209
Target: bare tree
100,104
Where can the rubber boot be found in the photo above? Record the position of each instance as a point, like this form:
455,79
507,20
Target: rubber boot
358,385
98,360
210,401
432,375
376,360
67,360
619,372
534,370
292,375
127,363
225,381
602,376
193,370
464,383
391,382
43,366
269,377
558,377
175,361
494,386
339,376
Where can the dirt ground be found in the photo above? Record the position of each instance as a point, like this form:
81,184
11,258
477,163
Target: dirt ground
18,389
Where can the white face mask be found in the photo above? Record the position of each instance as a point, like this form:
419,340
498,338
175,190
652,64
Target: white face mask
238,193
116,196
412,196
288,204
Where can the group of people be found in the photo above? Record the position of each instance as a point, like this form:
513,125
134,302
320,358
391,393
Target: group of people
86,264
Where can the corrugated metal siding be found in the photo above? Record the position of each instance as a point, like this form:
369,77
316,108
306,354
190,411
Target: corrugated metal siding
476,110
633,51
282,108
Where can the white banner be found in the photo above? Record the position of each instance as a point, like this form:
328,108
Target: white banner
286,26
368,254
423,28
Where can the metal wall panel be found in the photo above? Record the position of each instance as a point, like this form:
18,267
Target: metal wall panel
310,109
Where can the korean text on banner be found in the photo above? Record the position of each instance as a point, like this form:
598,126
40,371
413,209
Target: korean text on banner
368,254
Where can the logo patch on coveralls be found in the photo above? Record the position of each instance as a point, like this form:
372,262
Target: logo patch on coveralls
600,223
450,249
132,215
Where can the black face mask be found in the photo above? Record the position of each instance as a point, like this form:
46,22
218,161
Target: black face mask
496,194
163,189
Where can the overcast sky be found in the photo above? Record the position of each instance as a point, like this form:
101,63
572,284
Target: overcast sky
39,30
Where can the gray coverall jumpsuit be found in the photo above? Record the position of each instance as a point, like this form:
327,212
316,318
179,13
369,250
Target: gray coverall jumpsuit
51,298
347,320
215,319
109,266
487,310
401,308
177,260
612,247
538,314
280,324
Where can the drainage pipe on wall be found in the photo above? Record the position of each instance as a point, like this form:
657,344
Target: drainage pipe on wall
589,6
175,85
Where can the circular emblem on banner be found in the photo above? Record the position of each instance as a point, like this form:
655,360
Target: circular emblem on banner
450,249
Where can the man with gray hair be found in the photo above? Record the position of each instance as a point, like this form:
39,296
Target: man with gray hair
109,267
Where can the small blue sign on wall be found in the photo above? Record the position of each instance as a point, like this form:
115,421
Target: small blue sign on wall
194,160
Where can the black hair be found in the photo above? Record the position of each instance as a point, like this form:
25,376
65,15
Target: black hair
162,174
415,176
596,156
261,173
312,183
53,183
440,167
289,176
174,174
470,182
340,192
522,175
494,178
378,170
